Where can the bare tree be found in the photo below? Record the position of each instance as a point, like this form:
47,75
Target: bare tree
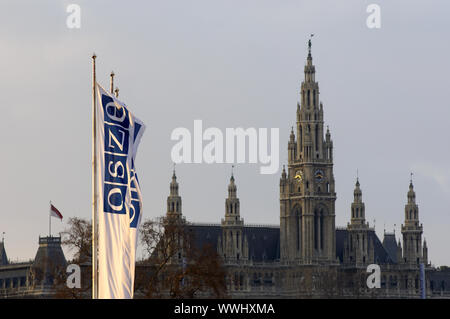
78,238
176,267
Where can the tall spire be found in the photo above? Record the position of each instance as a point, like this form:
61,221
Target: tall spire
232,189
358,207
411,192
232,213
174,184
412,230
309,68
174,199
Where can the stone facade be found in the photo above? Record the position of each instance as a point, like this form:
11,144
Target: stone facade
306,256
36,278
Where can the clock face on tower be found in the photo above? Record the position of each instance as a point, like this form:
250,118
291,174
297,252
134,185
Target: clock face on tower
298,176
319,175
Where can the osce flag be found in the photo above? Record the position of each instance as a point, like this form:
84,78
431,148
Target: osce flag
119,199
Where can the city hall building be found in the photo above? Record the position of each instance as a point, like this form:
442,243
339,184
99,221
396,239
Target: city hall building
306,255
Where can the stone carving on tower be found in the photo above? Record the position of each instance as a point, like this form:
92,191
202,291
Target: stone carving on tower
307,193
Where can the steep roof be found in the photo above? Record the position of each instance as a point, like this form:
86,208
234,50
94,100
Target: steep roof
380,253
3,257
390,244
49,257
263,241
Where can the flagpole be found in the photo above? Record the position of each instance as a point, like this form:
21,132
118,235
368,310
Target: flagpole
112,82
50,220
94,189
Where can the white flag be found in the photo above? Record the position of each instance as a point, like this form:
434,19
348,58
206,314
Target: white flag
119,197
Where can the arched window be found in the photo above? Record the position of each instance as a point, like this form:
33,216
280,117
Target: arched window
321,228
298,226
301,138
317,137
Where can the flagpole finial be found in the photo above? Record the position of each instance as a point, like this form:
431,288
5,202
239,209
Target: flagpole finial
116,91
112,82
94,56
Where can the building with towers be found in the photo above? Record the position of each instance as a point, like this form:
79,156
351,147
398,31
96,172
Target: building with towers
307,256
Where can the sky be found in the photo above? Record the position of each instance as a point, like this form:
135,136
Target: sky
230,64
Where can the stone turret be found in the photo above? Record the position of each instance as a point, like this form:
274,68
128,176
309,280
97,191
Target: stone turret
232,244
359,244
412,231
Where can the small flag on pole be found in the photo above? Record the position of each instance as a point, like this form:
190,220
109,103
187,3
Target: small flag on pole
54,212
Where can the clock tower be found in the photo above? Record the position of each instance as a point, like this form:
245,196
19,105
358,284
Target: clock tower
307,194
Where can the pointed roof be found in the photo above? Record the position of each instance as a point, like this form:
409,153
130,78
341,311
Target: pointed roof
411,193
174,184
49,258
3,256
390,244
232,189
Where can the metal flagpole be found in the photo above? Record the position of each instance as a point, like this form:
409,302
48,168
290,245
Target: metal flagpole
112,82
50,220
94,188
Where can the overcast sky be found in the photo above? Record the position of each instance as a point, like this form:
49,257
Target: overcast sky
231,64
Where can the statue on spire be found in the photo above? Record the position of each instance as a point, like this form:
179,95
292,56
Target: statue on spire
309,43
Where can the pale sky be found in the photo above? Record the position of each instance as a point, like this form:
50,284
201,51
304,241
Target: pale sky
231,64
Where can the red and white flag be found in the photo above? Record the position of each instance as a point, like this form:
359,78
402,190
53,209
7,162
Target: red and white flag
54,212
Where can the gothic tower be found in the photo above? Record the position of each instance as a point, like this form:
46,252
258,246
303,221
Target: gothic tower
232,245
174,222
358,245
413,253
307,195
174,199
